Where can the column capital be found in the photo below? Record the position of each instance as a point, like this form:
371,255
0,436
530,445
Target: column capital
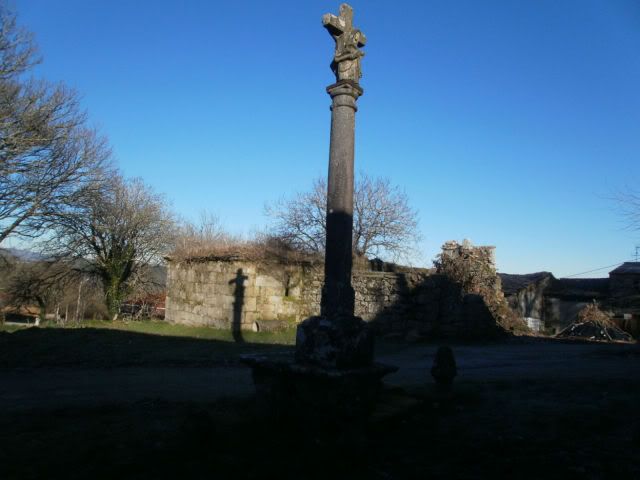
345,87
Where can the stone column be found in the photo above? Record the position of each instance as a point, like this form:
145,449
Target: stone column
332,379
337,293
337,339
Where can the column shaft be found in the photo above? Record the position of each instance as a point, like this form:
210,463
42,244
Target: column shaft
337,294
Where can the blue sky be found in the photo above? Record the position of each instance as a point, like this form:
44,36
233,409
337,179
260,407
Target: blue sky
507,122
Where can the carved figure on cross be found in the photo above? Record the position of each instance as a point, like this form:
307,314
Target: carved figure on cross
349,40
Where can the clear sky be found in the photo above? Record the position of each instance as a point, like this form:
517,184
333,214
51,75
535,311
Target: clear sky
507,122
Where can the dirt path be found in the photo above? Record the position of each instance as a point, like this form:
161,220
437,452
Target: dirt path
61,387
529,361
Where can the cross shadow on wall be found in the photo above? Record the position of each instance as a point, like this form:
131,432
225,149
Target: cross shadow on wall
238,303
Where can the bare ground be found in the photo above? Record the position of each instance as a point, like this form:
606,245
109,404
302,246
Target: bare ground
91,403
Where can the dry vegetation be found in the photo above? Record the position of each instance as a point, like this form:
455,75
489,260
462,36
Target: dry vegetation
474,269
594,324
207,240
591,313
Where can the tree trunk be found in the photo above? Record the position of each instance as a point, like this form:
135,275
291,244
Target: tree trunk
114,295
83,305
42,315
77,319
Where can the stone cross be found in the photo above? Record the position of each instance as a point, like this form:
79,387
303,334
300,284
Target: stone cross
337,295
332,379
337,339
346,61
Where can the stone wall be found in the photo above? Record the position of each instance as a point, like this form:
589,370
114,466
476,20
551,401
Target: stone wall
251,294
474,269
267,296
421,305
529,301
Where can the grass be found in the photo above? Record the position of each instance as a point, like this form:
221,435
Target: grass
159,327
139,343
12,328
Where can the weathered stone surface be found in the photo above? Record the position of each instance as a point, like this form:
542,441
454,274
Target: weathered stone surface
338,294
338,298
219,297
339,342
444,368
416,302
347,56
474,269
317,396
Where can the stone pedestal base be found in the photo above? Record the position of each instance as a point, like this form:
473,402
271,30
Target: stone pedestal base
330,382
315,396
345,342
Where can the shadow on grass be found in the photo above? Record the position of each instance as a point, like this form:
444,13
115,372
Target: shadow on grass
98,347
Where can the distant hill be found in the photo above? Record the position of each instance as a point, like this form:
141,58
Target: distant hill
158,273
21,254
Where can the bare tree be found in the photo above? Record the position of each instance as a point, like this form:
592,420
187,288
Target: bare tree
629,204
47,155
122,230
54,286
384,224
301,219
41,283
18,52
203,238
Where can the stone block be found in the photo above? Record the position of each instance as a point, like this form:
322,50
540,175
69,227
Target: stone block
250,304
343,342
250,317
275,299
266,281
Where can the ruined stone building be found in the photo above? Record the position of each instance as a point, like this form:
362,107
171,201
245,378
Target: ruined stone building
268,293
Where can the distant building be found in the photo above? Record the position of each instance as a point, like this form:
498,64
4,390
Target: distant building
625,296
565,297
525,293
624,281
554,303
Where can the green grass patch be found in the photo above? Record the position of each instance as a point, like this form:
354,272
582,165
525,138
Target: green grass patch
158,327
12,328
140,343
